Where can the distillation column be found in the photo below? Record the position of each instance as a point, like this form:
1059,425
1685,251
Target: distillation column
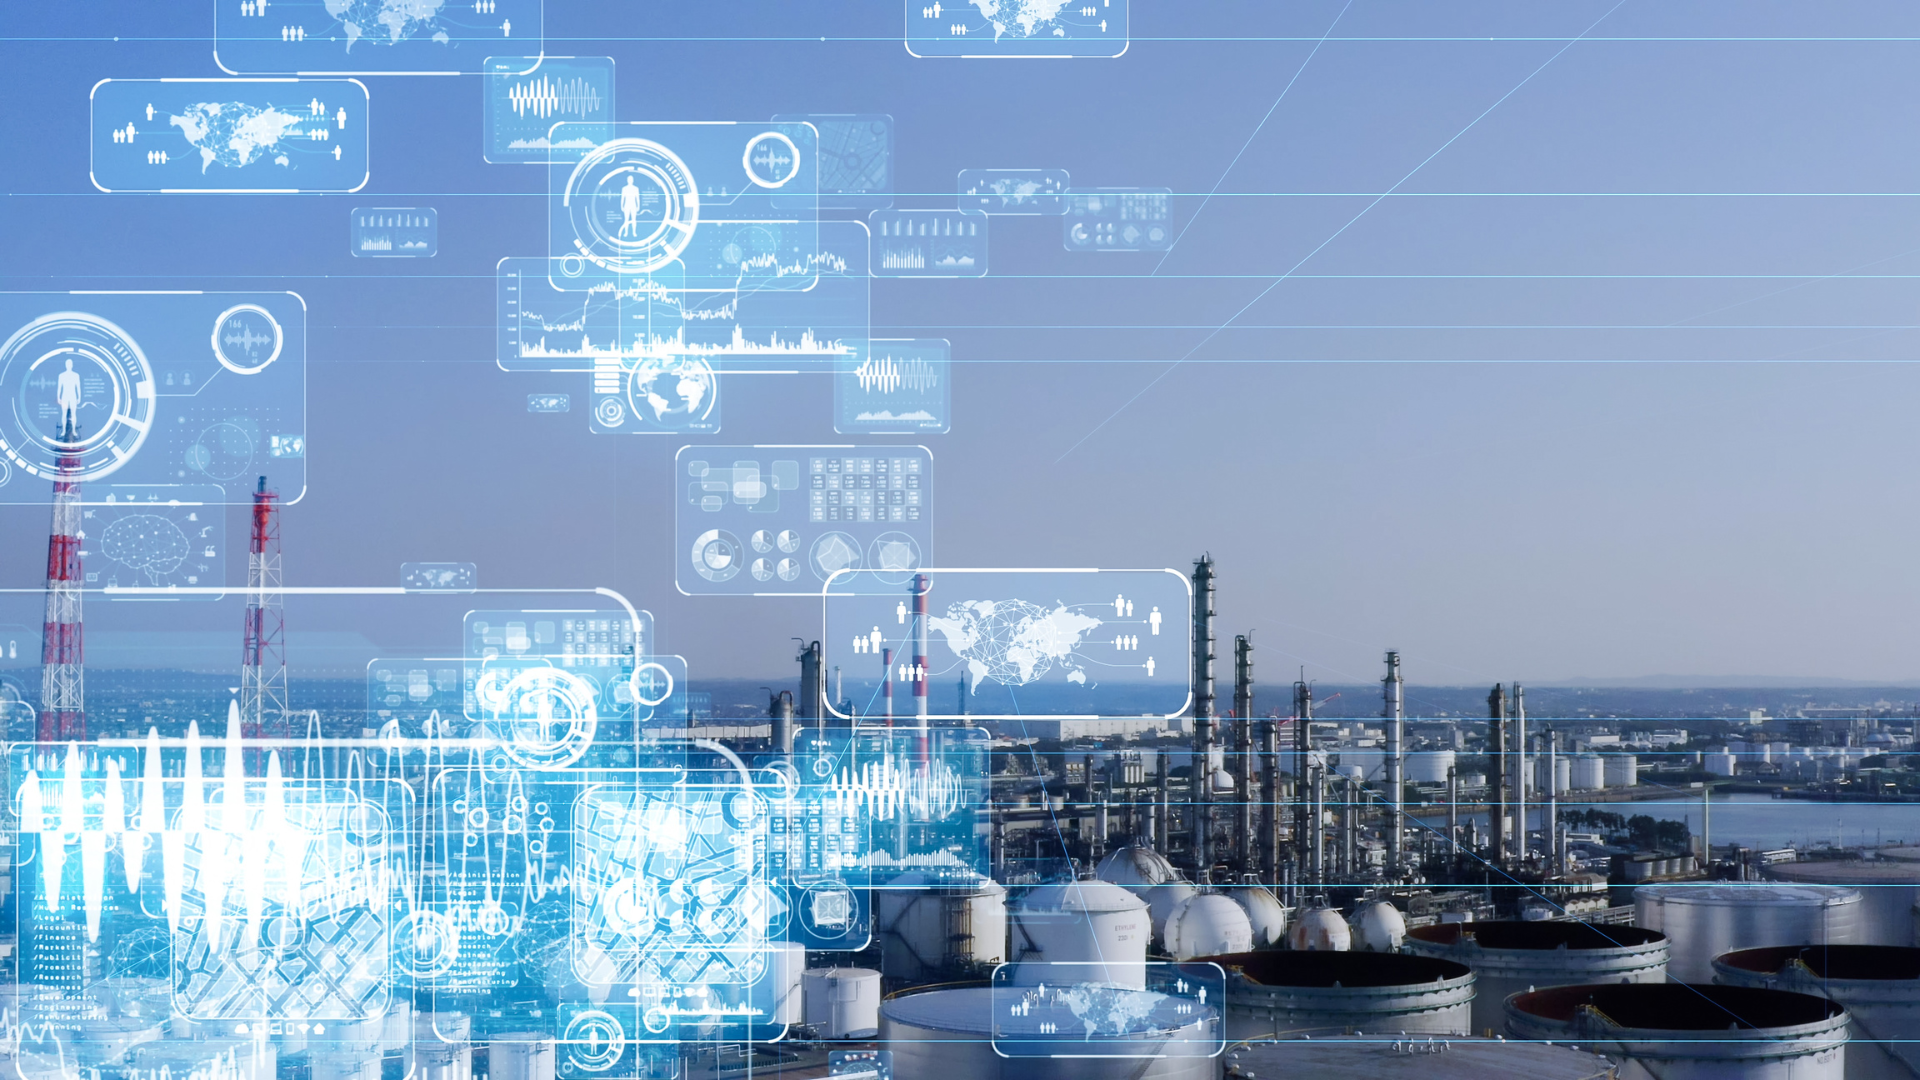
1244,839
1200,783
1395,713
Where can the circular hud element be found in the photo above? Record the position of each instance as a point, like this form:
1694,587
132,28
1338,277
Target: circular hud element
72,368
633,206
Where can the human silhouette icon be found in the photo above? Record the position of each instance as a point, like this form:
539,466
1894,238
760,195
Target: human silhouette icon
630,208
66,394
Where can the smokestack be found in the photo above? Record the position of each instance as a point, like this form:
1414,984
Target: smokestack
1201,785
1317,829
1244,839
1496,773
1395,713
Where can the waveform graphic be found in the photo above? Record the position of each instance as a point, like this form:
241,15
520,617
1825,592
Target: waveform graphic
543,97
885,375
247,340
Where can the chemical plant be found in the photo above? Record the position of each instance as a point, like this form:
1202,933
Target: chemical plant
1241,890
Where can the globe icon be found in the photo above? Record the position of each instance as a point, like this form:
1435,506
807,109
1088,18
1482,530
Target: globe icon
672,392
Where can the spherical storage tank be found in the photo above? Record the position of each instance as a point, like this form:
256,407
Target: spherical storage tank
1514,957
1378,927
1148,875
1208,924
1703,921
1265,914
1320,929
1879,985
926,925
1888,890
1275,992
949,1035
1099,929
1676,1031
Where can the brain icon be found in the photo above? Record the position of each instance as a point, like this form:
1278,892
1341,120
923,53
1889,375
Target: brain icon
146,542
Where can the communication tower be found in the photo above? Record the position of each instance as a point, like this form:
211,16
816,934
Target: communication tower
63,673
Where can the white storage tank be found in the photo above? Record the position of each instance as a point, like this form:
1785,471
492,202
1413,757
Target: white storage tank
1378,927
1703,921
519,1055
1279,991
1879,985
1888,891
1589,773
842,1003
1623,770
442,1046
1265,914
1719,763
1208,924
1429,766
1162,902
1100,928
950,1034
779,994
230,1059
1136,864
929,925
1320,929
1672,1031
1562,771
1510,957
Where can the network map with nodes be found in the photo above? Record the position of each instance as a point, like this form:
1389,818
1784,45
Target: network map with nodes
677,540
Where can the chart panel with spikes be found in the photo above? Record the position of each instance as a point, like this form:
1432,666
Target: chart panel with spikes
247,898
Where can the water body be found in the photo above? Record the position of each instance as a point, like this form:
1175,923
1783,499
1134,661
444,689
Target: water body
1761,821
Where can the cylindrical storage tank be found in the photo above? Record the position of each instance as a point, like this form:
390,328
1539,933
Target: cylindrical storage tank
949,1033
1429,766
1098,928
1562,771
1378,927
1879,985
1265,914
1514,957
398,1029
1334,1055
930,925
442,1046
1888,891
1703,921
1719,764
843,1003
1271,993
778,994
520,1055
1588,773
1208,924
1320,929
1623,770
1677,1031
346,1049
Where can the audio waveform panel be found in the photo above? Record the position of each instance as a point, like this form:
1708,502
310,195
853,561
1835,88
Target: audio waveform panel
527,95
901,387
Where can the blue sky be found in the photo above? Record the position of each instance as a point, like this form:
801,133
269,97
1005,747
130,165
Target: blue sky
1531,340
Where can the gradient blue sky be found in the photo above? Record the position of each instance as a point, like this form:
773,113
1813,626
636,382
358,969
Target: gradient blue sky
1614,381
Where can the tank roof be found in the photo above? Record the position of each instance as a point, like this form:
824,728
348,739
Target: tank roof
1679,1006
1516,934
1890,962
1350,970
1365,1057
1848,872
1759,893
